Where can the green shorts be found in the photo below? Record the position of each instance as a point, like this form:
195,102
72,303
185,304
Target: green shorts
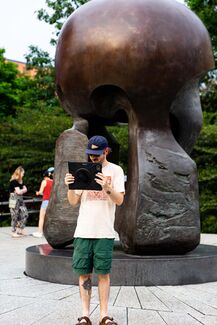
92,254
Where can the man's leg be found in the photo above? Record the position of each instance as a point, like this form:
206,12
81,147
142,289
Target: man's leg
85,285
103,248
104,289
83,265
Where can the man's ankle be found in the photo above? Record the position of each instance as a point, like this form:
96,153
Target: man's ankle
85,315
103,315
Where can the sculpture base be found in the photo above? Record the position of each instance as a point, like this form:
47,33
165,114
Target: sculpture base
199,266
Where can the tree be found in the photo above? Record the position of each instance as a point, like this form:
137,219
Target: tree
28,136
19,90
43,84
205,152
207,11
12,84
29,140
61,9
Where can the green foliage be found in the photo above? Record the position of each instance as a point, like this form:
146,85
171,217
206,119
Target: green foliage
205,151
39,59
207,11
43,84
29,140
11,86
209,98
59,11
205,155
28,136
121,135
18,90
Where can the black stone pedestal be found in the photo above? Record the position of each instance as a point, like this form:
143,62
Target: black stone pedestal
199,266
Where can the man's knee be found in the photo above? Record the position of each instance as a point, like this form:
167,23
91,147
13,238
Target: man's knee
104,277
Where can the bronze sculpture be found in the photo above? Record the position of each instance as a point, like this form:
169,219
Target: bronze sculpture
139,62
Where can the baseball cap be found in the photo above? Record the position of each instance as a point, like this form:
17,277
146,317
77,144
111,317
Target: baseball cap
96,145
50,169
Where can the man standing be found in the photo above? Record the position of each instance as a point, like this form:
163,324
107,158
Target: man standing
94,234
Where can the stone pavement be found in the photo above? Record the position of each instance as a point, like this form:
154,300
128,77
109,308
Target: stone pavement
26,301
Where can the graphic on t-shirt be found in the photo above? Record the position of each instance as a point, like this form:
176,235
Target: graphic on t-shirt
99,195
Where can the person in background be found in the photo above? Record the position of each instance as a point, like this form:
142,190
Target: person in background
51,171
19,213
45,190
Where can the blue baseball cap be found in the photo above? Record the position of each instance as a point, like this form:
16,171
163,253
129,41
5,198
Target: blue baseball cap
96,145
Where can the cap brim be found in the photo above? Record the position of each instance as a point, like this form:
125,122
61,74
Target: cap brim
94,152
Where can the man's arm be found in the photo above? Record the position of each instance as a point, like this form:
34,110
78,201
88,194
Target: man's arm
116,197
73,198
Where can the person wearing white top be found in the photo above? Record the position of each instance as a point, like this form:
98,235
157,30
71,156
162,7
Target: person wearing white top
94,234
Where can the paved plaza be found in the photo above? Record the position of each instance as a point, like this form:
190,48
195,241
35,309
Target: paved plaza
26,301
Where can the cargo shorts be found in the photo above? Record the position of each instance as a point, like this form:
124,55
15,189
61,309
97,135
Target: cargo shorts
92,254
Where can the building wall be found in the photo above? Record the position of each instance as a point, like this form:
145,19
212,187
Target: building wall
22,68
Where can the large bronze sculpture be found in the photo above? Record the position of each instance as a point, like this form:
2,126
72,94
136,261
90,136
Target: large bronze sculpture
138,62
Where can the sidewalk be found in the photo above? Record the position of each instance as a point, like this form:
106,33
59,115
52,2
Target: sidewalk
26,301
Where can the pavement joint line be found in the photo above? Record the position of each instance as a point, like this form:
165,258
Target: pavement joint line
159,298
136,308
60,299
152,309
196,319
94,309
174,297
9,311
72,294
198,300
190,305
185,303
162,317
138,297
10,295
117,296
50,292
38,320
211,307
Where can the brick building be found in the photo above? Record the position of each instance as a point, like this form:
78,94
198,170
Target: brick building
22,67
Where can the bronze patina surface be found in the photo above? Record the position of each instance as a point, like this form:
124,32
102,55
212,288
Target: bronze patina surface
140,62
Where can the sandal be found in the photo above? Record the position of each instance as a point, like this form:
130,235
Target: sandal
110,321
85,322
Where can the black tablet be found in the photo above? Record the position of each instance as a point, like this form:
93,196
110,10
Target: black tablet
84,173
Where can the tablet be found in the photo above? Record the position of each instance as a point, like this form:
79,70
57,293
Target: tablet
84,173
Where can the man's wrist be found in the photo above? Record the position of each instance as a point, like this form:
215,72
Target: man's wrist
109,192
